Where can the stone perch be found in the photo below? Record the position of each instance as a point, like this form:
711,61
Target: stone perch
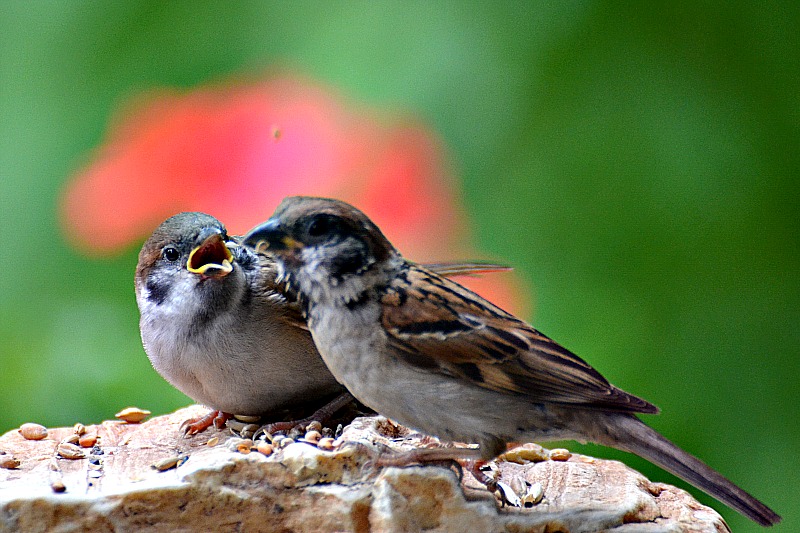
215,481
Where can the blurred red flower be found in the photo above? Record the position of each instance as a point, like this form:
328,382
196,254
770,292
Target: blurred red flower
235,150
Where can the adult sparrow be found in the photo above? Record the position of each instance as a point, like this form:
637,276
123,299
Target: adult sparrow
215,325
430,354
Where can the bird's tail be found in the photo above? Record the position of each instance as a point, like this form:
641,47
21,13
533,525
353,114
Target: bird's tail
632,435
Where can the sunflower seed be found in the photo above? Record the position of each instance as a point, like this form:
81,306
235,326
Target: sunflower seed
68,450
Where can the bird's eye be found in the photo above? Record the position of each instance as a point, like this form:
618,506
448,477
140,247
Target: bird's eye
171,254
322,225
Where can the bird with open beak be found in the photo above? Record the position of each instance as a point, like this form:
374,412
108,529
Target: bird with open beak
216,325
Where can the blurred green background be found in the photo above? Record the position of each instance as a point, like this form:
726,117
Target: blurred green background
637,164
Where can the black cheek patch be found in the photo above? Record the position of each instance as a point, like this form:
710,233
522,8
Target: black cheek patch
348,263
157,291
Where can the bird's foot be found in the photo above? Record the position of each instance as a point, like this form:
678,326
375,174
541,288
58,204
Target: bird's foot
193,426
458,459
321,415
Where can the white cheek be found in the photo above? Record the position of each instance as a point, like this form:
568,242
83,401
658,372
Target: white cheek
182,301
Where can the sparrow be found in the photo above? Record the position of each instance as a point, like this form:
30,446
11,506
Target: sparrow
216,326
432,355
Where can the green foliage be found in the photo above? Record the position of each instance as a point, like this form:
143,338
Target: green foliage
636,163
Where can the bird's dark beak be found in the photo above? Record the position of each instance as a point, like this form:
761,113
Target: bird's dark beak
211,258
270,236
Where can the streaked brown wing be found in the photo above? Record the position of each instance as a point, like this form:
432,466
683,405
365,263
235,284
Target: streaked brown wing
489,347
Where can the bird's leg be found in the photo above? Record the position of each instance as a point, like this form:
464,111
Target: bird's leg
470,459
321,415
193,426
474,467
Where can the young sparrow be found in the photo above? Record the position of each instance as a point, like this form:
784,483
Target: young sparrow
215,325
430,354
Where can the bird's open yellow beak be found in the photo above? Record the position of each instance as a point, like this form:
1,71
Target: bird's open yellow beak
212,258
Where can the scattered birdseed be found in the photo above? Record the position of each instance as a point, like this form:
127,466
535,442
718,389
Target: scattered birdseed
132,415
533,496
325,443
508,495
31,431
213,441
560,454
312,436
58,485
79,429
71,439
67,450
314,425
9,461
170,462
523,455
87,440
265,448
239,445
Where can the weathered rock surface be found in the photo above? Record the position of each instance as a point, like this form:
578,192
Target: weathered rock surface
303,488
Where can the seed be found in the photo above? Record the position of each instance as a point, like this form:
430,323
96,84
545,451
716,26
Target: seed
524,455
169,462
213,441
68,450
560,454
313,436
265,448
533,496
132,415
56,483
79,429
71,439
325,443
233,444
9,461
284,442
32,431
244,446
507,494
87,440
166,463
314,425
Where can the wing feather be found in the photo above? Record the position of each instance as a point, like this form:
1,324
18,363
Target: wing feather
489,347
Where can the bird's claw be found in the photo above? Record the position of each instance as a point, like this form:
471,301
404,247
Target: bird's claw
193,426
